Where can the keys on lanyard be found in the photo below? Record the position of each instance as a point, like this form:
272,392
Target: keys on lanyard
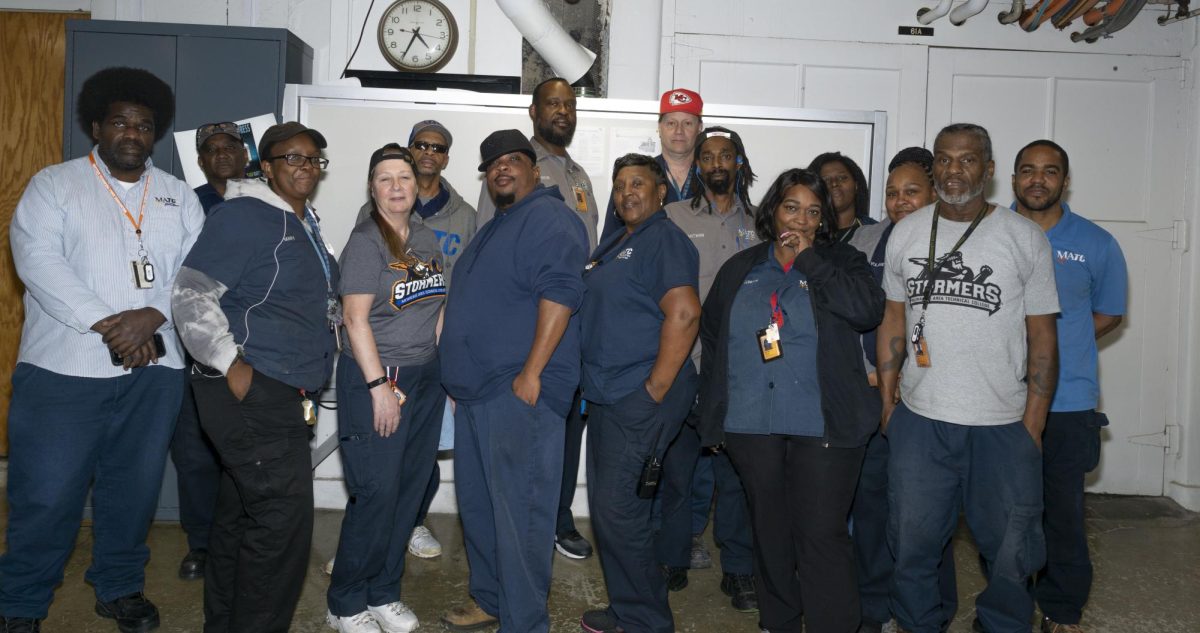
143,270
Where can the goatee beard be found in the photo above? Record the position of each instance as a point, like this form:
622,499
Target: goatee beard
554,138
505,200
961,198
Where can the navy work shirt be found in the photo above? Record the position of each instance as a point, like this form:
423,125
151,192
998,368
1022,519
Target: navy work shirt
209,197
621,320
781,396
276,298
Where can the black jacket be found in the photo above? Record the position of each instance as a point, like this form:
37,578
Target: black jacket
846,300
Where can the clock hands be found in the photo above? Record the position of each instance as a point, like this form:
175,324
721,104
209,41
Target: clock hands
410,43
417,34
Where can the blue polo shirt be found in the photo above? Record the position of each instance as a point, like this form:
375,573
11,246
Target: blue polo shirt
628,276
1089,271
782,396
276,297
209,197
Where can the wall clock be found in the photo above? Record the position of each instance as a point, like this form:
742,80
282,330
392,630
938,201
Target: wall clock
417,35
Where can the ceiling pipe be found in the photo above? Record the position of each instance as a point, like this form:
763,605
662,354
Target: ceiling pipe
927,15
1013,14
1113,23
965,11
569,59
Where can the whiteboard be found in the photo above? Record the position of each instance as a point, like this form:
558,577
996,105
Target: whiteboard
357,121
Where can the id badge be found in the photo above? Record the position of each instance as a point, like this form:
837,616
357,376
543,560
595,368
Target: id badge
581,204
921,349
310,411
143,274
768,343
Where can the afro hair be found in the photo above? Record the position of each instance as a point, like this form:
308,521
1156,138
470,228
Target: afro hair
129,85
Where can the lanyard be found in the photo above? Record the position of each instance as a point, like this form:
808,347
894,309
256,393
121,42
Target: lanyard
858,224
137,225
314,236
931,267
776,311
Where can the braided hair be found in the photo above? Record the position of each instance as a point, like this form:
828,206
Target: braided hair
743,174
918,156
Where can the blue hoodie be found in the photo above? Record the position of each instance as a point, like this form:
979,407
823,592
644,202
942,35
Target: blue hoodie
531,251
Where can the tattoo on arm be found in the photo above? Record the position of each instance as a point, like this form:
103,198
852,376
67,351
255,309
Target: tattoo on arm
1043,375
898,353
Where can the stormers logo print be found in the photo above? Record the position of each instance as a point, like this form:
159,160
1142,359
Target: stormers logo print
955,283
418,282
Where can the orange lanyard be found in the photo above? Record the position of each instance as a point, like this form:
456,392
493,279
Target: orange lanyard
137,226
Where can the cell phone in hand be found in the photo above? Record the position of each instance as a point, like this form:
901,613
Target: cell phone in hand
160,350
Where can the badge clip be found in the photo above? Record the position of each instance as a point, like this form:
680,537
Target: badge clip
143,274
768,343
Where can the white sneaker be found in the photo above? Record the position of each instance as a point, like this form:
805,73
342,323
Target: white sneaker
328,567
394,617
357,623
422,544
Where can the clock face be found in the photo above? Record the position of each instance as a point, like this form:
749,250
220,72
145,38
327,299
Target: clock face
417,35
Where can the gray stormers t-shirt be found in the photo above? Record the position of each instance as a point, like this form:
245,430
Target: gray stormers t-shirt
975,325
404,313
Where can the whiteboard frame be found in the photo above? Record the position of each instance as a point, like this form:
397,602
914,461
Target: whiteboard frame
298,98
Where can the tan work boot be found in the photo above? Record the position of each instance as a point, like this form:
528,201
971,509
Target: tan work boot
468,617
1050,626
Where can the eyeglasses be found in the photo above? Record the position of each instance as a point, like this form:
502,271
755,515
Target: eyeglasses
296,160
436,148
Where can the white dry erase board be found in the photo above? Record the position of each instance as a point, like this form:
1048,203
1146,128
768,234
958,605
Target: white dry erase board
357,121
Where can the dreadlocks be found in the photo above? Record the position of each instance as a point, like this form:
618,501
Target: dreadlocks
743,174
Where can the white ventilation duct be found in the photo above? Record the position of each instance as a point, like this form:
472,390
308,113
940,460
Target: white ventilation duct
964,11
927,16
568,58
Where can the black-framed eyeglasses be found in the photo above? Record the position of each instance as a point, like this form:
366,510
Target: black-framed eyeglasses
296,160
436,148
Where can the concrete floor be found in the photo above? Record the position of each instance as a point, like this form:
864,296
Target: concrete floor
1146,552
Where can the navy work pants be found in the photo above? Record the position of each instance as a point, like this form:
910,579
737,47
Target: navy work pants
873,558
622,436
387,478
66,433
507,473
1070,450
995,473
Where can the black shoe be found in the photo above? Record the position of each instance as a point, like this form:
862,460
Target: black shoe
867,626
20,625
599,621
740,587
572,545
134,613
977,626
676,577
192,567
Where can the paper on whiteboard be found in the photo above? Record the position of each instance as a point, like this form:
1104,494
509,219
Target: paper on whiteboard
251,130
632,140
587,149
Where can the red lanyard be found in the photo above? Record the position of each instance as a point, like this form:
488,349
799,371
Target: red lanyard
137,226
776,312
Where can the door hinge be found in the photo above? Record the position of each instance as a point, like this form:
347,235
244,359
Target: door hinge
1167,439
1178,239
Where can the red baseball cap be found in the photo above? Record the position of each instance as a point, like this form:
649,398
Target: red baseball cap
681,100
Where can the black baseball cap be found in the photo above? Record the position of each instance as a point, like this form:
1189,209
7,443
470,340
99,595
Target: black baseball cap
503,142
283,132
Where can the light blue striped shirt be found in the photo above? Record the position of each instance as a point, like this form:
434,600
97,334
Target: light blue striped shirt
72,247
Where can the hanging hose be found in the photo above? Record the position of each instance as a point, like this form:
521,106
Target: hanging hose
965,11
928,15
1013,14
1123,17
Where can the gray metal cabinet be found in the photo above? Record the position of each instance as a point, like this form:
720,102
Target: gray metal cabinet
218,73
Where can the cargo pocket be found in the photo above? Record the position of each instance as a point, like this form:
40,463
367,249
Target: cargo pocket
356,465
1026,535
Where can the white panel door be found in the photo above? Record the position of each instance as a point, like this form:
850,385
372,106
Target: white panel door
1119,118
808,74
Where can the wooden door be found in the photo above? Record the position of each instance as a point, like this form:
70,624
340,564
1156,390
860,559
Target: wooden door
31,103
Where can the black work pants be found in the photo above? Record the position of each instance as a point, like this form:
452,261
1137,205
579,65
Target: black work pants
800,494
261,535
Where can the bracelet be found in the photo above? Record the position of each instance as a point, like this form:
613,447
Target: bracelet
378,381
